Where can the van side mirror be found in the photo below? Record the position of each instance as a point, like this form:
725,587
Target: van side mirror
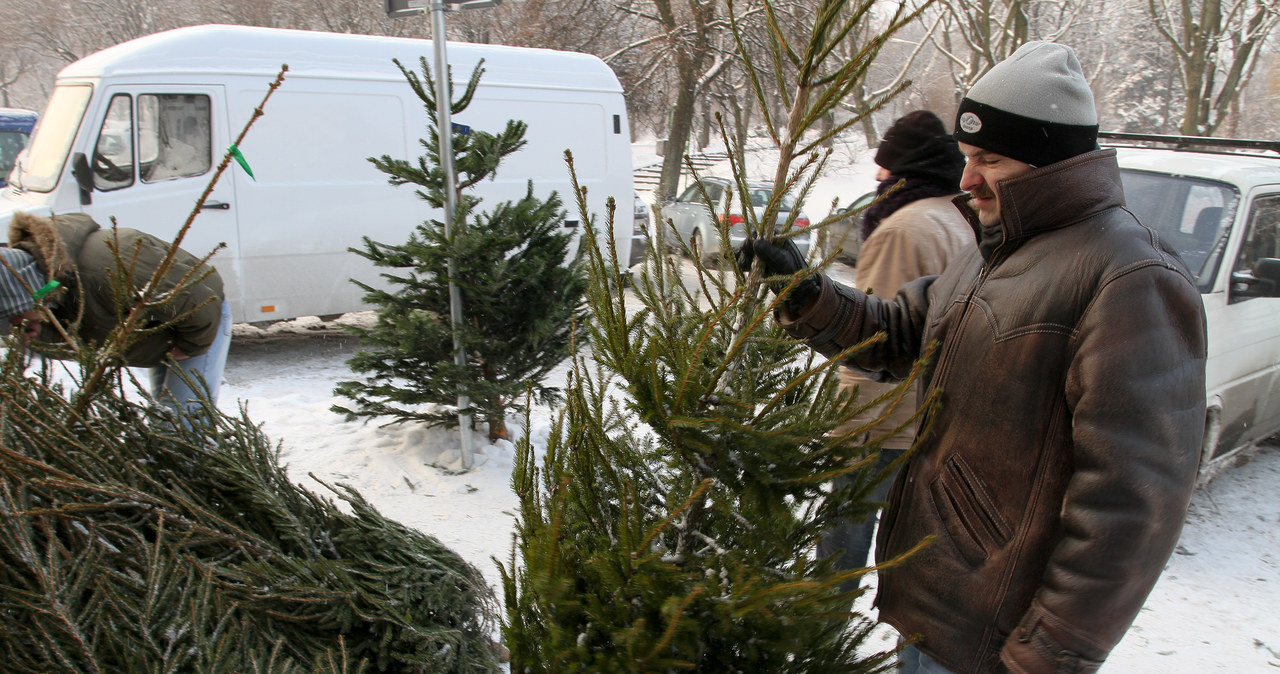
84,177
1263,282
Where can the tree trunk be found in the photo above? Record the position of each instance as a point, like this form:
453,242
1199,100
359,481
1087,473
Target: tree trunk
704,132
677,142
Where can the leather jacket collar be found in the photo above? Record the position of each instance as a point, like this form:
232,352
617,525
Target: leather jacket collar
1049,197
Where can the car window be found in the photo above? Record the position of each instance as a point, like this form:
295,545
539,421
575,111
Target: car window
113,153
174,136
1191,214
715,192
1261,238
786,203
11,143
691,194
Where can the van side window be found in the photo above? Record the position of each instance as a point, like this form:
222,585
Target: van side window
1261,242
174,138
113,154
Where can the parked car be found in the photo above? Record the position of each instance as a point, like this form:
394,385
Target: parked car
639,232
844,236
693,222
15,128
1221,211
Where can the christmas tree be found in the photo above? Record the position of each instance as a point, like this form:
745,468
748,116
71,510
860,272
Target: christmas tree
671,523
523,296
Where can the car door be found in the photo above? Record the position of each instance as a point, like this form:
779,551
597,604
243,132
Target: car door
1244,331
688,213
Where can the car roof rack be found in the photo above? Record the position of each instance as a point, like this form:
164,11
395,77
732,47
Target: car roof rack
1193,142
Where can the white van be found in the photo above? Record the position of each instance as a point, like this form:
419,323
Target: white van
148,121
1217,201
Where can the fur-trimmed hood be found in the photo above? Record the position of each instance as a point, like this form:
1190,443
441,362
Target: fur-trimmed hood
38,236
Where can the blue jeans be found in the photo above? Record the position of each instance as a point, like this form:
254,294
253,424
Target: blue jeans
168,386
852,538
912,661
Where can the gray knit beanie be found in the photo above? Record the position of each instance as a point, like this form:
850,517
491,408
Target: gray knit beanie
17,268
1034,106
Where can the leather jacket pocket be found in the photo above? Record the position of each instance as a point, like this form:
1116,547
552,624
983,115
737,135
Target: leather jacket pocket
968,513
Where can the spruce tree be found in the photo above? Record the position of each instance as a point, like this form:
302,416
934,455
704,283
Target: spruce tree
523,296
671,523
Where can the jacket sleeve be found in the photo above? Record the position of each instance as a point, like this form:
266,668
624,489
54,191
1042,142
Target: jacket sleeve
1135,390
842,317
194,333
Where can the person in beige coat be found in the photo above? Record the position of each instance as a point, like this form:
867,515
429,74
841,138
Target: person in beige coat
911,231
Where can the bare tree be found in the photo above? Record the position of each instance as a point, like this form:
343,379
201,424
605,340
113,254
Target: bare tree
1216,45
686,42
867,97
15,61
977,34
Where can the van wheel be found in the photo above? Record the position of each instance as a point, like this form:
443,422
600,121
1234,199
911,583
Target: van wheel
1209,468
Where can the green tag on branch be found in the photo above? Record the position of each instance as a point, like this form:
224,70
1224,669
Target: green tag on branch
244,164
45,290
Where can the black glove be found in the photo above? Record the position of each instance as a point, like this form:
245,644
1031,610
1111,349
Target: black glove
780,258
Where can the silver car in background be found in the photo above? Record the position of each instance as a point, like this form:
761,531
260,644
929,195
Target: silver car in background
843,237
693,223
639,231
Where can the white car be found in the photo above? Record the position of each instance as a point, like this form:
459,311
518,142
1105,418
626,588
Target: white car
1221,211
693,220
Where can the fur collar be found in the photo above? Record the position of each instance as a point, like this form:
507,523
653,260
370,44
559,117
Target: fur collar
38,236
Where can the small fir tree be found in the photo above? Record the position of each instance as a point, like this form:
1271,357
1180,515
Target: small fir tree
671,524
523,297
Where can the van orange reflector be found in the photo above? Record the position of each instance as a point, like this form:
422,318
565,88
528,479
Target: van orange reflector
268,308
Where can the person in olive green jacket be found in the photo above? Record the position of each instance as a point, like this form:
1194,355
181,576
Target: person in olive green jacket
189,333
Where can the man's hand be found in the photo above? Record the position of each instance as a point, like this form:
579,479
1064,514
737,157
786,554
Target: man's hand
781,259
28,323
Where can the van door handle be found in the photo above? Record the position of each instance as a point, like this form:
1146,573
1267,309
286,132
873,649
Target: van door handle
220,205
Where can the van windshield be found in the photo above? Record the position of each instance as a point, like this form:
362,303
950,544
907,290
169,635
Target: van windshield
1192,214
51,142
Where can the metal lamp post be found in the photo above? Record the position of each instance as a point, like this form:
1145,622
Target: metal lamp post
398,8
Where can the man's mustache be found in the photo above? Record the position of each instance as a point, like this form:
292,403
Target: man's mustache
983,192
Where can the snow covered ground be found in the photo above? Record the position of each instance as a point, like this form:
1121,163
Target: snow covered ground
1213,609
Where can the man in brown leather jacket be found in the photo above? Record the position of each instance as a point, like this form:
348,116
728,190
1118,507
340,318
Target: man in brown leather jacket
1070,370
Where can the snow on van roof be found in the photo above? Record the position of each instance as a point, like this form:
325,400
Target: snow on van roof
1240,169
248,50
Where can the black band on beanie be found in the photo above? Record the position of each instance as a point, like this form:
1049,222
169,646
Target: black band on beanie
1032,141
